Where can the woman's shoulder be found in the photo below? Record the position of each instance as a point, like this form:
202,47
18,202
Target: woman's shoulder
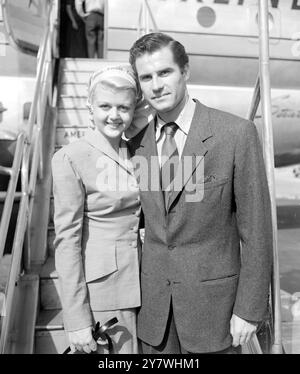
73,151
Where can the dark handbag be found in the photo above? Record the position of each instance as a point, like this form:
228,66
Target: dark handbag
100,332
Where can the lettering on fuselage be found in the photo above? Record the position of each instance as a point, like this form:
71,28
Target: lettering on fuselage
295,4
285,112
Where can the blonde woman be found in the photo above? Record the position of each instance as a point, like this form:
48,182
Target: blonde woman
96,217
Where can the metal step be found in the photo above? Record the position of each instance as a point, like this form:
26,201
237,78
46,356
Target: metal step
21,339
76,76
72,102
73,89
50,337
50,298
73,118
49,287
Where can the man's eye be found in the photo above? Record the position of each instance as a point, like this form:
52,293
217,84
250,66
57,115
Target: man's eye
104,106
164,73
145,78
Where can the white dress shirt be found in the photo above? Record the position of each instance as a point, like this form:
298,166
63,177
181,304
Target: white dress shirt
183,121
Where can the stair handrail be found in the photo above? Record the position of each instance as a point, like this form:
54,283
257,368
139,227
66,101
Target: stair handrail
10,195
262,92
263,21
30,152
145,15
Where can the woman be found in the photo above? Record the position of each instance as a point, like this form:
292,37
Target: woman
96,218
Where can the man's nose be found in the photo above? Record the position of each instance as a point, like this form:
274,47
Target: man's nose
157,84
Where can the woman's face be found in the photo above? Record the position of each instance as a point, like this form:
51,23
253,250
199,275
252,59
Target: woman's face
112,110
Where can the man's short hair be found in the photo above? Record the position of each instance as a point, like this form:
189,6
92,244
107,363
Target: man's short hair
152,42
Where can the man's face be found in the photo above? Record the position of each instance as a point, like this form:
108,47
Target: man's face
161,80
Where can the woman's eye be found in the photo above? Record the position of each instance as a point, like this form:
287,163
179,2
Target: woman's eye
124,108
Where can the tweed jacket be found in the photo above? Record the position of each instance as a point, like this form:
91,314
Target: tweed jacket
211,251
96,213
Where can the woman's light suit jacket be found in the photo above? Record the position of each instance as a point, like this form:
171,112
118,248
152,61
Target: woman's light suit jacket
96,213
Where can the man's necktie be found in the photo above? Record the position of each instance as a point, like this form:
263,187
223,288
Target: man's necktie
169,160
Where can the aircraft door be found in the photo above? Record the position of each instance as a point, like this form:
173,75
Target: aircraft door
25,21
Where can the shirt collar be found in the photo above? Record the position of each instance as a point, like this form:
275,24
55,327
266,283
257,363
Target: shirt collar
183,121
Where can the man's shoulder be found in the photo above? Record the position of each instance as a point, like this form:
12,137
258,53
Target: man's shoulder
225,123
135,141
227,118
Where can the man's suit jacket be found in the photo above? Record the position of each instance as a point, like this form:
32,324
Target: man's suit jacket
97,208
192,253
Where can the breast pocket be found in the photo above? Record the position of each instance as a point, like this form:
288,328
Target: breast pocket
208,193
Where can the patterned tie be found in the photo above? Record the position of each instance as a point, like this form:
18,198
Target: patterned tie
169,160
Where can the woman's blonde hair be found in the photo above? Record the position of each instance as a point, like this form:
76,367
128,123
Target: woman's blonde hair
116,77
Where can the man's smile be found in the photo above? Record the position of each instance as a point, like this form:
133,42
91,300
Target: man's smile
158,97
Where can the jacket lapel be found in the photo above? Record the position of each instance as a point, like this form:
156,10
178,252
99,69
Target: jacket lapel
195,148
95,138
147,151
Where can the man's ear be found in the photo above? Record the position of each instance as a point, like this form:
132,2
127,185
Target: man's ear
186,72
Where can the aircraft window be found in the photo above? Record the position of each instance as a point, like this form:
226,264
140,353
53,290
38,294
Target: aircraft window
206,16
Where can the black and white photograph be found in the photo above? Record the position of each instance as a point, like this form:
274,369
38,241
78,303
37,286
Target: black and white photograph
149,180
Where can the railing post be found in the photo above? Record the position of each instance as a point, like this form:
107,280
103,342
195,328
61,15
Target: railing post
30,164
269,160
9,200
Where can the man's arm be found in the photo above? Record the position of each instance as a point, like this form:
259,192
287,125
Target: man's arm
79,8
253,213
71,16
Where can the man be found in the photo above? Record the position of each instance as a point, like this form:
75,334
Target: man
93,15
206,262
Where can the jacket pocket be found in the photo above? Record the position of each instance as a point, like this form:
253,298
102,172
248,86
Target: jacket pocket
220,280
100,261
215,183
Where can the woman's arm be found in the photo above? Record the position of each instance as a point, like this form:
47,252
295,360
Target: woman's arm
69,197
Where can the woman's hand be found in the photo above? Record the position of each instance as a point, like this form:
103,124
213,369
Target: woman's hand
82,340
